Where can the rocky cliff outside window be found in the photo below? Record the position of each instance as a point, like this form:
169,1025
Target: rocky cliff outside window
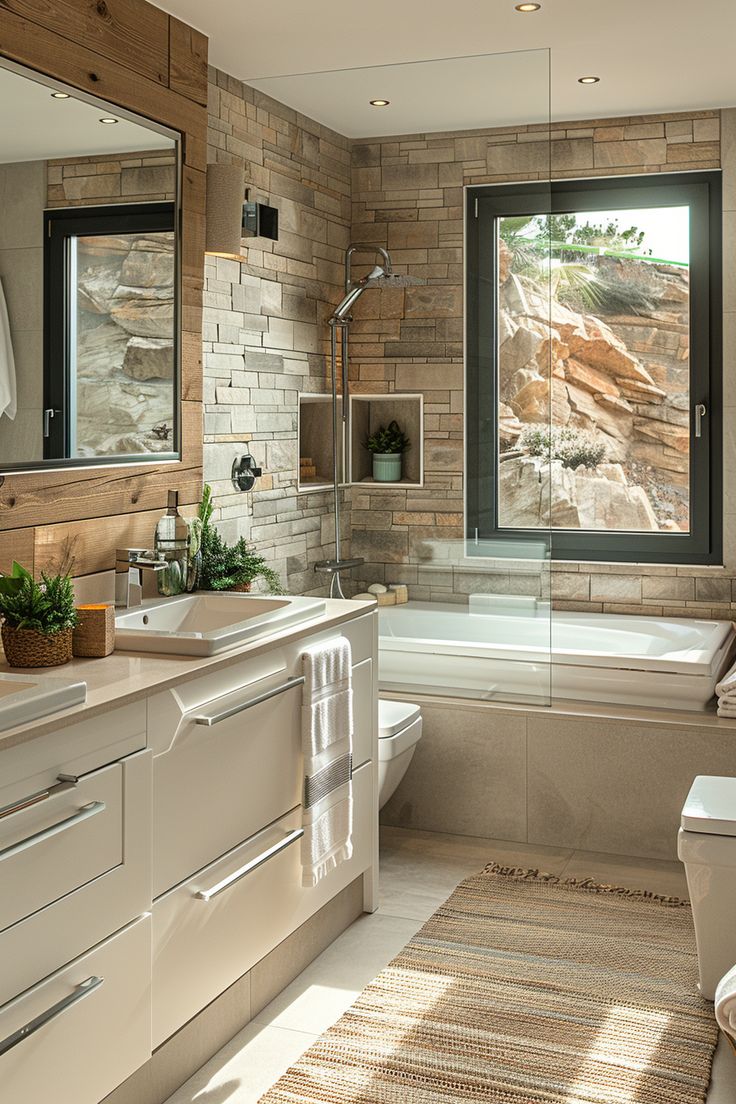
110,366
594,366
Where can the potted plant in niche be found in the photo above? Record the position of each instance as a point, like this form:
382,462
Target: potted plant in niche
387,444
38,618
230,567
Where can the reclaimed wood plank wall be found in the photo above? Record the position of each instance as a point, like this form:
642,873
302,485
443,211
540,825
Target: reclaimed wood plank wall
136,56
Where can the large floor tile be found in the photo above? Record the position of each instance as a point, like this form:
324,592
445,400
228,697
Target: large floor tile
723,1083
419,870
656,875
246,1068
331,983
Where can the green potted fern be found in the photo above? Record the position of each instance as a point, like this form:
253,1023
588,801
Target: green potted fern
230,567
387,444
38,618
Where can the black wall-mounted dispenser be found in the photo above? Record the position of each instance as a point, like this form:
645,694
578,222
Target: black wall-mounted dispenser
260,220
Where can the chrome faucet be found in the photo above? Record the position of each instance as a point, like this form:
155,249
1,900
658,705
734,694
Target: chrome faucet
132,566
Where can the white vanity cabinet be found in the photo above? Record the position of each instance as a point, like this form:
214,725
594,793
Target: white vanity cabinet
75,885
228,779
75,843
150,855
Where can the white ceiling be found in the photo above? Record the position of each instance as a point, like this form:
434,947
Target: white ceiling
35,127
651,55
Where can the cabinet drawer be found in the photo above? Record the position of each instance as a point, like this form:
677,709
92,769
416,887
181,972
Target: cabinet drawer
50,845
76,1036
45,873
234,766
77,749
213,928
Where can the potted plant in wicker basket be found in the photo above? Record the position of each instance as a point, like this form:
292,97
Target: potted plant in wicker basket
387,444
230,567
38,618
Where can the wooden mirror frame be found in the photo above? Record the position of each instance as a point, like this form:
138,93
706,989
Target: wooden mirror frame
150,63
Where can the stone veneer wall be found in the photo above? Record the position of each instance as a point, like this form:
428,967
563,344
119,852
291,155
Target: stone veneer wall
408,194
147,176
265,327
265,336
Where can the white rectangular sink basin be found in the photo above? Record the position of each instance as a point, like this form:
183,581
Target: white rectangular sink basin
25,698
207,623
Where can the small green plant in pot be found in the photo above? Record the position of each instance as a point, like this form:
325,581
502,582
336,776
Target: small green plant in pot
38,618
387,444
230,567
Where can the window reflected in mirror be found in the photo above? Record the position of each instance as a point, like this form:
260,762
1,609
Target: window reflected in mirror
88,282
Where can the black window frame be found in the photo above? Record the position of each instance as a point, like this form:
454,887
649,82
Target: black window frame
702,192
61,225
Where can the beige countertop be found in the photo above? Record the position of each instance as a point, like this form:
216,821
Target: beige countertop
125,677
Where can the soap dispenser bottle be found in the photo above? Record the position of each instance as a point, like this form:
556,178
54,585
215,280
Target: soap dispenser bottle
171,544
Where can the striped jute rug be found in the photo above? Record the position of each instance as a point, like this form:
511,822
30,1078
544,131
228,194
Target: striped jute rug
524,989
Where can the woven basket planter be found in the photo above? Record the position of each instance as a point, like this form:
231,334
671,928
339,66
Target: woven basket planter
30,648
243,588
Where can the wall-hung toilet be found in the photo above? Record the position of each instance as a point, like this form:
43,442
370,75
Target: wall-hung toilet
399,729
706,844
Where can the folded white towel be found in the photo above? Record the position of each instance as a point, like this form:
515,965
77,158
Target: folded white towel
8,398
725,1003
727,685
327,744
726,708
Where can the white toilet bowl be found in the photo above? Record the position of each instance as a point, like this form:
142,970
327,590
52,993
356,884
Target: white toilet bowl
706,844
399,730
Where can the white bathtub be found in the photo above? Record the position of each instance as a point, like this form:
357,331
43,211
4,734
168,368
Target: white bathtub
517,656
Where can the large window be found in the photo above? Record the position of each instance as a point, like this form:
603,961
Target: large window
594,366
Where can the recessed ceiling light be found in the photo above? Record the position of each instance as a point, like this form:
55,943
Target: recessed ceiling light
528,7
107,119
379,103
588,80
60,96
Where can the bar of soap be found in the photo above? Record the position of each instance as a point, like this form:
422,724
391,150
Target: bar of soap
377,588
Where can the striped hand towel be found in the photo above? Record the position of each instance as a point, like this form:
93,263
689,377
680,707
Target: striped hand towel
327,741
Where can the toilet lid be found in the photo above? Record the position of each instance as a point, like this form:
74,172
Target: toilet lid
711,806
393,716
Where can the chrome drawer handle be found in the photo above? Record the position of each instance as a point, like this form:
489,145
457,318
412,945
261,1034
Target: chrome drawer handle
208,894
205,719
50,1014
84,813
65,782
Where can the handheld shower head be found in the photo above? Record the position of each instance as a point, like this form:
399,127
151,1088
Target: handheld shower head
381,276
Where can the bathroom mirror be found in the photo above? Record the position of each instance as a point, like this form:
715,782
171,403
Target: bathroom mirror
89,280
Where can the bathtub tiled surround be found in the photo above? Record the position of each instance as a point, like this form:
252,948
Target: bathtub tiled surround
592,778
